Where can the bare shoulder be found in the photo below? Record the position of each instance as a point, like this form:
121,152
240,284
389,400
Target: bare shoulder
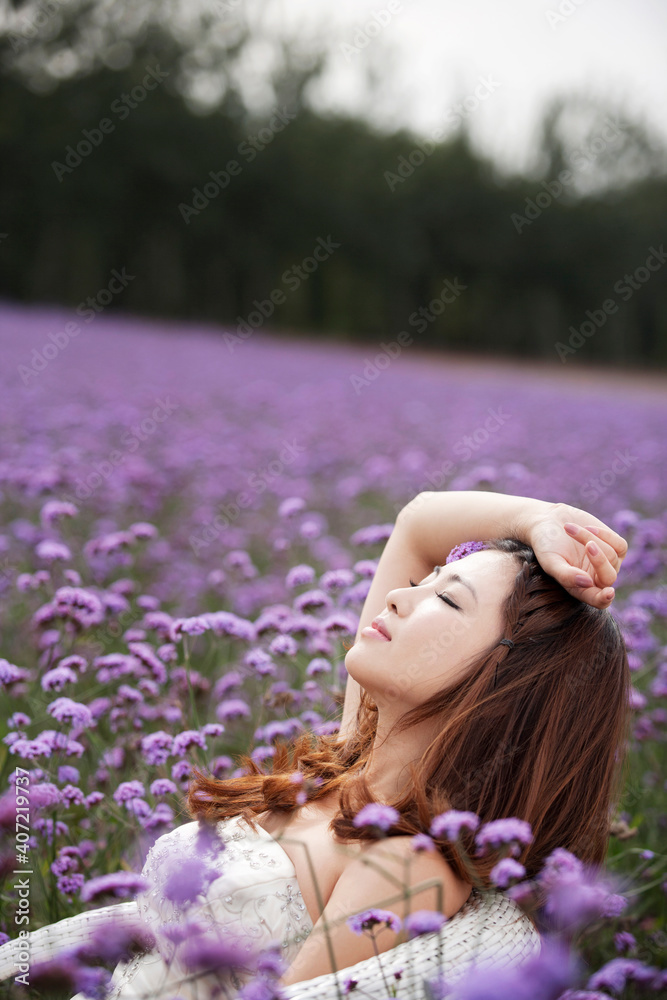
388,865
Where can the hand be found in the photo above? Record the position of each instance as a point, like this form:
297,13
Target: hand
581,552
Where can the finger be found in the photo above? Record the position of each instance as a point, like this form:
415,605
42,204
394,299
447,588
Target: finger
606,534
576,581
595,596
572,578
584,535
605,573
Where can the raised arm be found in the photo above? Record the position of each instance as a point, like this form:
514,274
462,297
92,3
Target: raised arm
429,526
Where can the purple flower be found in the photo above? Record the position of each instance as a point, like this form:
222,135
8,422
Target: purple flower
575,903
75,662
233,708
624,941
424,922
53,510
79,604
18,720
422,842
212,953
226,623
163,786
116,941
50,550
372,535
368,919
283,645
56,679
144,652
464,549
213,729
285,728
157,747
336,579
63,974
30,749
366,568
299,575
162,815
10,673
506,870
312,599
559,865
220,764
232,679
376,815
181,770
291,506
117,884
188,879
65,863
143,529
188,626
501,832
71,795
259,989
129,790
44,795
186,739
614,974
70,884
340,622
542,977
449,824
138,807
66,710
318,666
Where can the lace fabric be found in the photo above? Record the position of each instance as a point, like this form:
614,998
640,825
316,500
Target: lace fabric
254,895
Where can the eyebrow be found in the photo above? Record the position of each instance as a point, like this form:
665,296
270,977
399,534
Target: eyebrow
455,578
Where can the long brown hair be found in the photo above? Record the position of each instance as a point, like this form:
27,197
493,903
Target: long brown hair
537,731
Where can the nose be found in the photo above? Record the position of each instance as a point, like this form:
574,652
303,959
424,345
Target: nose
399,599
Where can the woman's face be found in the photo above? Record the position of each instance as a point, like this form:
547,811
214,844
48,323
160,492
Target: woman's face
432,642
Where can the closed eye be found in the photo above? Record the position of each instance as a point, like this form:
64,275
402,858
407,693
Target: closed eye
442,596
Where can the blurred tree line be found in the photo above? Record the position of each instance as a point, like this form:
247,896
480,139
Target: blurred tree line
301,221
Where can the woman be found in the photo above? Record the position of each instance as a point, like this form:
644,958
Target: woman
497,683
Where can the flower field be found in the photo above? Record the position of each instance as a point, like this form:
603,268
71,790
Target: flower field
189,526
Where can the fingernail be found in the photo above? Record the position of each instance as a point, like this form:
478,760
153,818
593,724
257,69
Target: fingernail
583,581
593,528
593,549
571,528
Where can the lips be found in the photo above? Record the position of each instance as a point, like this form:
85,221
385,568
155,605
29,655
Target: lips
379,624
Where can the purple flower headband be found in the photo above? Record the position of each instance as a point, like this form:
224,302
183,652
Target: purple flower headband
464,549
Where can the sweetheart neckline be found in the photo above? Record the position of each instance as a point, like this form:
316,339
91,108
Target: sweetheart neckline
471,901
265,835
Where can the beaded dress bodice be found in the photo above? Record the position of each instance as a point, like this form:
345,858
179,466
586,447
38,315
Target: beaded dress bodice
250,891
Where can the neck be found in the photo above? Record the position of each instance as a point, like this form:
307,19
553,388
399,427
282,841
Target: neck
386,770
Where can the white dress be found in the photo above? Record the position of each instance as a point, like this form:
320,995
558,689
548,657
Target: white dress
254,896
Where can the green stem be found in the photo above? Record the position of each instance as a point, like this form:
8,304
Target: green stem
193,706
320,903
377,955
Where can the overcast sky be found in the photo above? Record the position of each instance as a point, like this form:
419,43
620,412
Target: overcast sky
433,53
